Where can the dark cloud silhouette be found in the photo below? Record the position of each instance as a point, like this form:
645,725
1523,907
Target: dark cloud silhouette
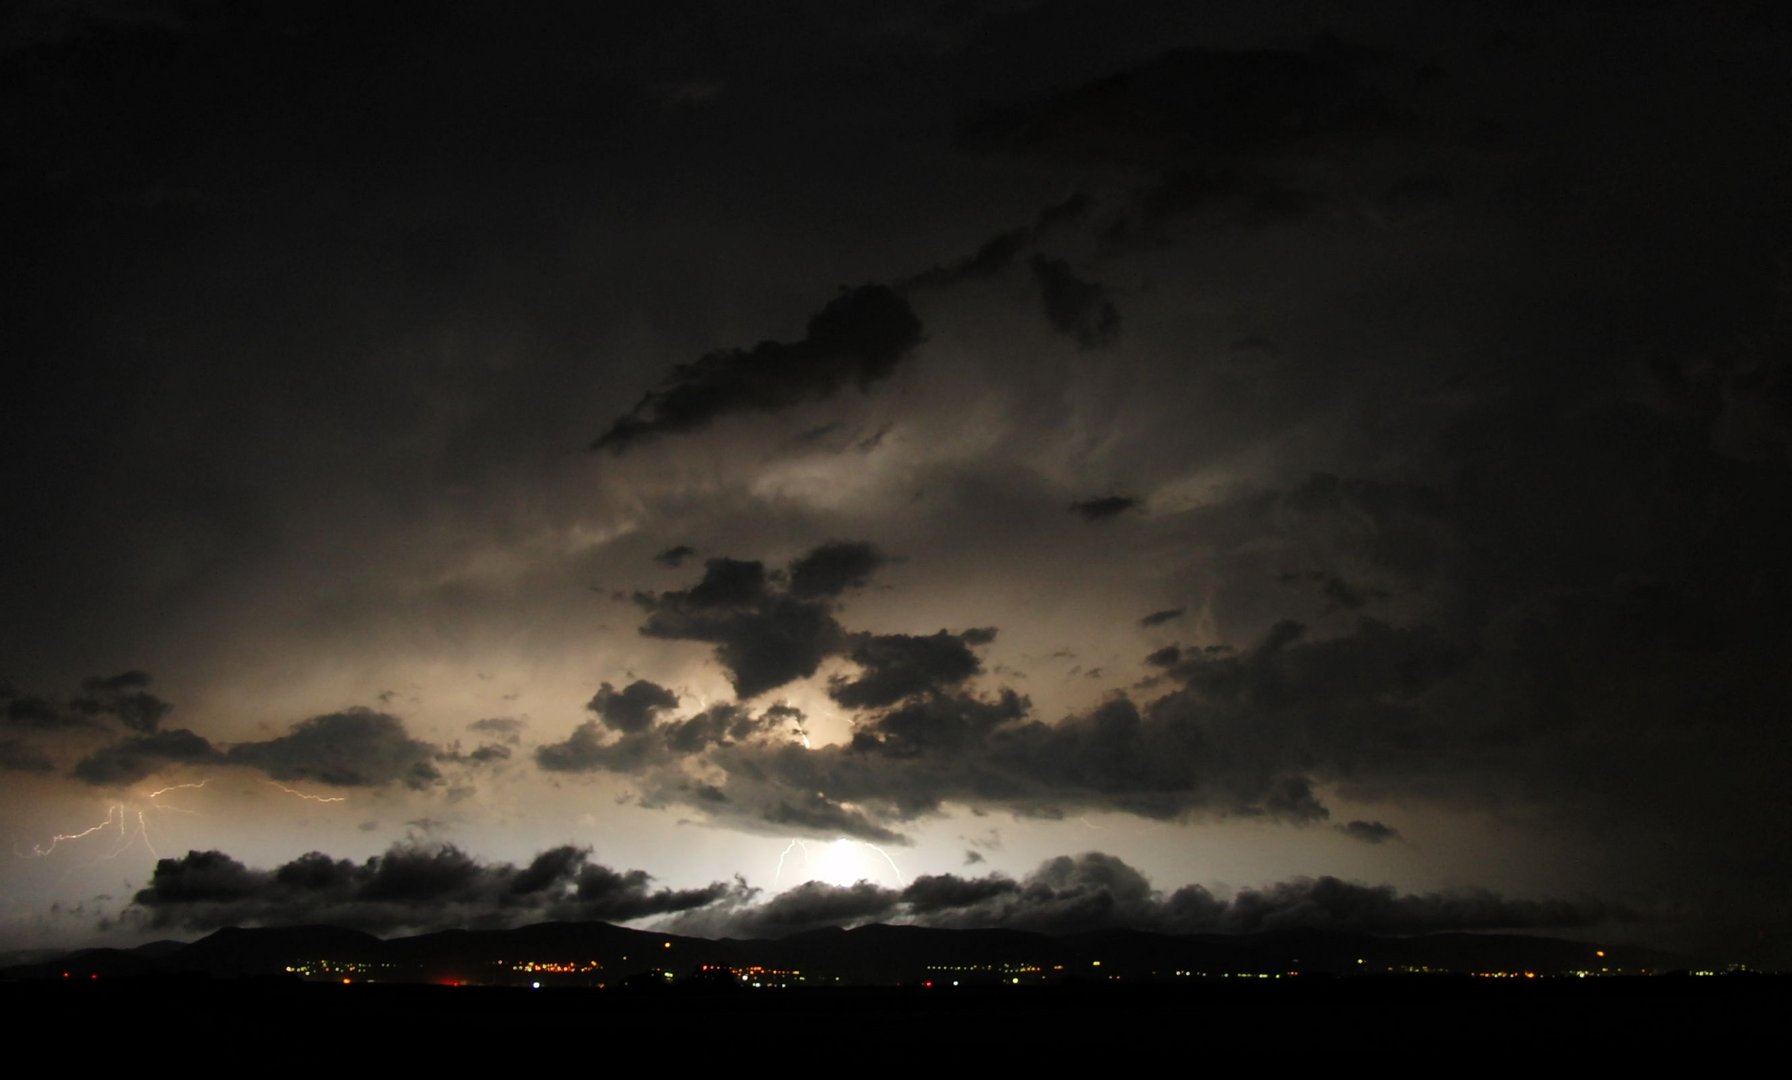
352,748
590,748
1001,251
819,815
1079,309
584,750
1072,894
1158,618
139,756
633,707
833,568
1108,506
32,711
896,666
766,634
123,697
675,556
813,905
858,338
409,887
1370,832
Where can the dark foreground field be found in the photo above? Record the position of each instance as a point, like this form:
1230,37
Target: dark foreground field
322,1023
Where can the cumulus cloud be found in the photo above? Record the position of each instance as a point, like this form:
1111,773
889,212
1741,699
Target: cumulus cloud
353,748
633,707
675,556
768,629
140,756
1072,894
897,666
410,887
591,748
126,698
858,338
833,568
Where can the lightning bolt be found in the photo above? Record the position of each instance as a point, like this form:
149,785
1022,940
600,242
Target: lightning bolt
787,849
159,792
122,813
893,867
38,851
313,798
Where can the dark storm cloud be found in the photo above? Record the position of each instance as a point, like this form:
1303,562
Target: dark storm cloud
936,724
896,666
1079,309
833,568
592,749
858,338
1166,657
1244,735
1158,618
818,815
409,887
32,711
126,698
1001,251
1097,891
633,707
1173,760
584,750
352,748
123,697
140,756
813,905
1334,904
1370,832
1101,509
766,632
942,892
675,556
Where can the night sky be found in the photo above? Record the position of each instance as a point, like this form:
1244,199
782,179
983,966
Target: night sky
743,467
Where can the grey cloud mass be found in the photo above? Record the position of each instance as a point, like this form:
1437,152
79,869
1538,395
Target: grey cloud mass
408,887
858,338
352,748
1097,891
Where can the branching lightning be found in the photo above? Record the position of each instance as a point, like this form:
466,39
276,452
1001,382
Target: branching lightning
893,867
785,852
123,814
312,798
827,859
